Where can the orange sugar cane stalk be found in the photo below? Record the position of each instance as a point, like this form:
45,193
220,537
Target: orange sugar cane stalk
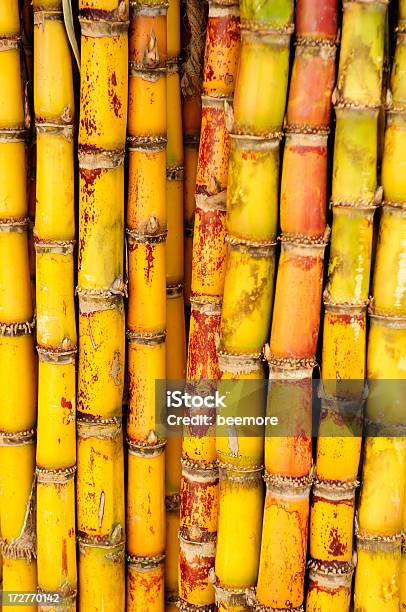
208,268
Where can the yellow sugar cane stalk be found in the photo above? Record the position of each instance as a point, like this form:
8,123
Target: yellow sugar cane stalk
255,130
17,358
101,286
147,310
355,196
56,328
381,512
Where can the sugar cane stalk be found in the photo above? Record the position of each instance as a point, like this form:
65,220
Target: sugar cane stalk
17,359
101,286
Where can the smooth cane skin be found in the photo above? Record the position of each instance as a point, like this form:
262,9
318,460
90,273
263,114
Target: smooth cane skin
393,181
175,370
344,349
303,186
10,19
13,202
15,288
337,456
56,521
402,582
176,338
108,6
222,51
146,365
214,149
199,447
331,527
101,214
103,96
355,155
384,470
56,327
324,597
56,415
17,357
101,578
377,578
146,505
11,106
209,253
253,176
19,383
362,52
195,563
390,289
147,103
202,356
199,499
173,452
350,256
311,106
268,15
101,358
55,186
386,372
53,81
296,318
283,550
264,63
100,486
145,589
236,449
290,400
398,87
146,204
147,300
239,529
20,575
173,29
315,20
15,462
248,296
